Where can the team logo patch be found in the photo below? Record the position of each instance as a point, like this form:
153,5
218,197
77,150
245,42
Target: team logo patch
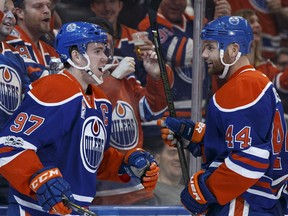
124,130
234,20
71,27
92,145
10,89
14,141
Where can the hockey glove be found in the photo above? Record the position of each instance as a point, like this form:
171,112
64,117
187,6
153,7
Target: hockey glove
196,197
140,164
50,189
189,133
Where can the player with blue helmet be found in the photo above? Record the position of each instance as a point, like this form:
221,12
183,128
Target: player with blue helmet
71,34
244,167
226,31
56,145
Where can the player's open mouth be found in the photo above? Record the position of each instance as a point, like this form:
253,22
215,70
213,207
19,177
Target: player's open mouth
101,69
7,24
46,20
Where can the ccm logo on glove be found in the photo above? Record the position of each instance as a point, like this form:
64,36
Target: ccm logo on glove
43,177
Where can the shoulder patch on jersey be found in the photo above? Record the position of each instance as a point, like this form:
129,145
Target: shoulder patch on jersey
242,90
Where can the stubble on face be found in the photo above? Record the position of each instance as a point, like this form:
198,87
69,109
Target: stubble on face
37,16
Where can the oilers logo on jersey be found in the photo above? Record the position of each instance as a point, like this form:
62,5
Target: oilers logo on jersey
124,131
94,136
10,89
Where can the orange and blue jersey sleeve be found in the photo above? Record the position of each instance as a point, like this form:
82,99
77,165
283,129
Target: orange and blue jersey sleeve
107,169
152,99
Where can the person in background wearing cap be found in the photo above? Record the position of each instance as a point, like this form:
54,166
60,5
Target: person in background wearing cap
56,145
33,22
245,162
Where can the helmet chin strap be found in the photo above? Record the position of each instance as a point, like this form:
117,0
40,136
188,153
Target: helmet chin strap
87,69
226,68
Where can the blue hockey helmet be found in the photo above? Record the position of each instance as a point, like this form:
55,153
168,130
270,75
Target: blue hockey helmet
78,34
227,30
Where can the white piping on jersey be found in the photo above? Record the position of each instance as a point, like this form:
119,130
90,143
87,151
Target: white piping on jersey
6,160
79,94
22,212
27,204
87,103
257,152
244,106
267,195
232,208
171,48
189,51
143,103
215,164
119,190
242,171
7,49
83,198
15,40
276,181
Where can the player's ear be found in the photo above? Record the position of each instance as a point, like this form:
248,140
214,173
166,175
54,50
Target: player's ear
234,49
75,56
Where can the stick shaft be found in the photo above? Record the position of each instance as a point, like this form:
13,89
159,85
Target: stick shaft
172,112
80,210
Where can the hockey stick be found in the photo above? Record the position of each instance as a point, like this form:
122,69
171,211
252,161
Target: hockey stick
152,13
80,210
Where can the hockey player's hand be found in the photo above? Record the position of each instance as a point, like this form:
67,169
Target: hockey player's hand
140,164
196,197
50,188
151,64
189,133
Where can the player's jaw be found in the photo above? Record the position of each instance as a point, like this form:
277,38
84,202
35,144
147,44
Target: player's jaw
45,25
